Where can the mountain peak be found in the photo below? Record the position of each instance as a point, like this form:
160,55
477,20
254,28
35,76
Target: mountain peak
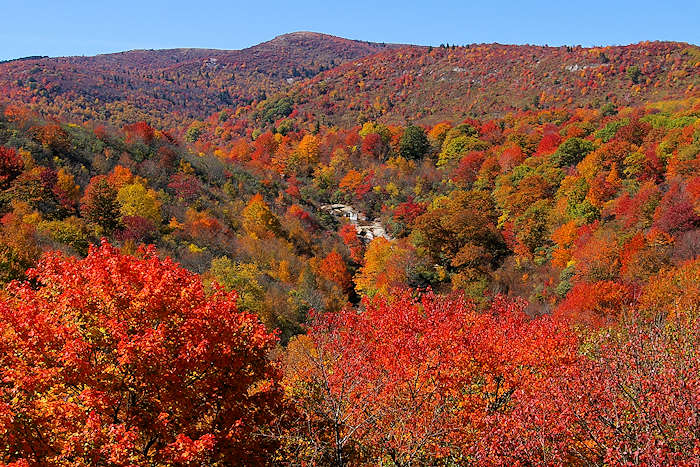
301,35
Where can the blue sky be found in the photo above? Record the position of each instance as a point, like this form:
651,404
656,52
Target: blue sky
69,27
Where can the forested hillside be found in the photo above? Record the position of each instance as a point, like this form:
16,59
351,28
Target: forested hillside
167,87
427,85
340,81
482,255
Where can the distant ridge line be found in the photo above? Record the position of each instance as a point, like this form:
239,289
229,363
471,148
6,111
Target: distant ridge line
20,59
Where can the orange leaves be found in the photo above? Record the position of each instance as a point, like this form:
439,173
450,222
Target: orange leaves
202,226
54,138
120,176
595,303
308,149
99,204
564,238
351,180
333,268
241,150
356,183
673,293
120,350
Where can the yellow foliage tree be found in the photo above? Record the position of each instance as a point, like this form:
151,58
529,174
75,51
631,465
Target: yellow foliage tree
309,149
65,183
258,220
137,200
384,268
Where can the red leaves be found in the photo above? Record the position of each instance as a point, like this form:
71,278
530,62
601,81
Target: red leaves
675,211
139,132
373,145
434,380
11,166
420,379
550,140
348,233
186,186
635,399
408,211
136,228
131,355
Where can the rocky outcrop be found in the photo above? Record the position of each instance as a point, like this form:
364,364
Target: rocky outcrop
367,230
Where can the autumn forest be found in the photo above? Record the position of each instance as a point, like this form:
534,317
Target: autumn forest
327,252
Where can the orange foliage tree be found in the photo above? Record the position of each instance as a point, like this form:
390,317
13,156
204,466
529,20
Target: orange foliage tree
124,360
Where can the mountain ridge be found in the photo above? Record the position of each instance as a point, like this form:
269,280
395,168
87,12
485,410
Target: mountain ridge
348,81
186,82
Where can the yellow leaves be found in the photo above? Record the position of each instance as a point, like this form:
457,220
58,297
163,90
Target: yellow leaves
258,219
377,105
137,200
418,189
392,189
25,213
591,165
195,249
65,182
26,158
299,361
186,167
309,149
283,273
384,267
378,128
401,164
439,202
244,279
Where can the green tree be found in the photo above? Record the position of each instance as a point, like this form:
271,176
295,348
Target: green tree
414,143
634,73
194,131
572,151
243,278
